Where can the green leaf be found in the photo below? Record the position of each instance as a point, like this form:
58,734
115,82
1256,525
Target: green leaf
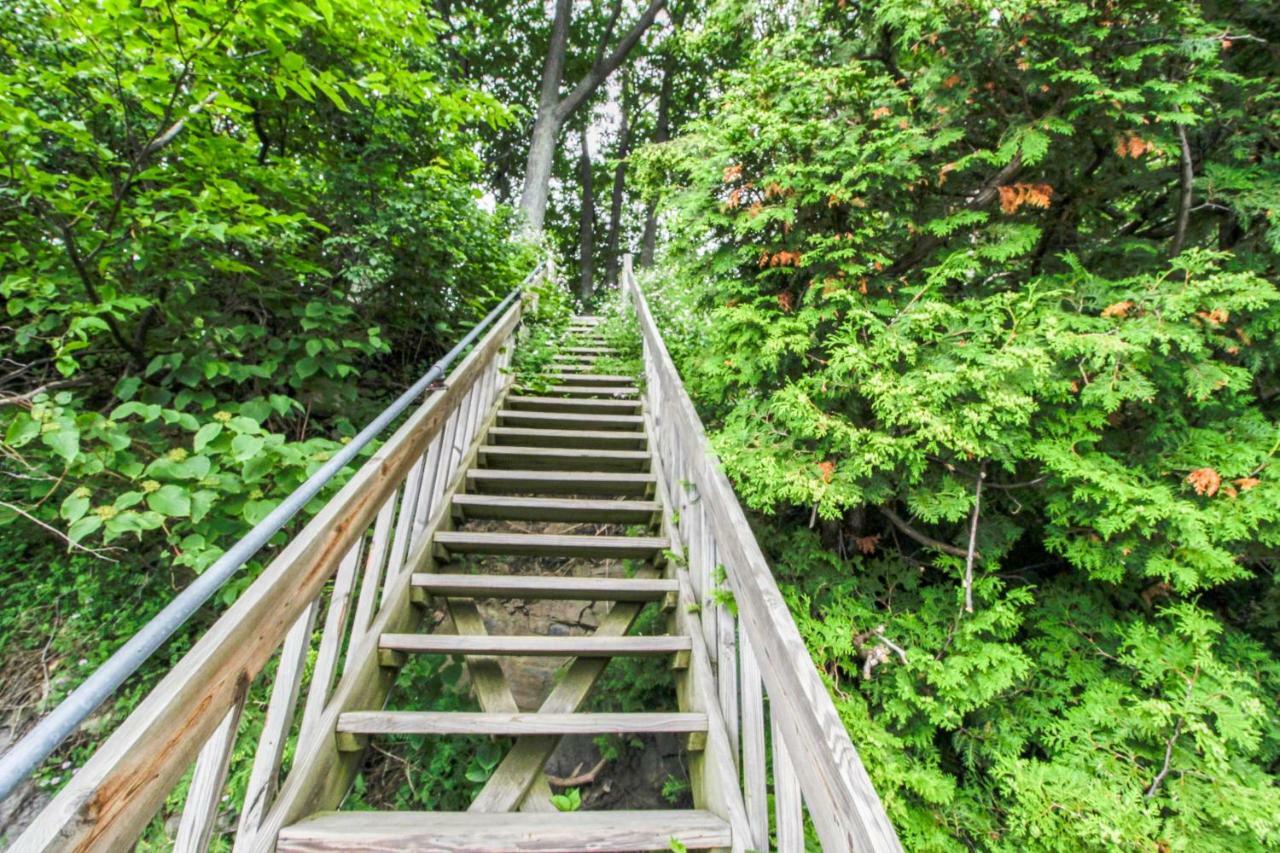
83,527
246,446
22,429
64,441
206,434
74,507
170,500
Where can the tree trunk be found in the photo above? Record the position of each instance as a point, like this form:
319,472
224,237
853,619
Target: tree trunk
611,257
586,224
553,111
661,133
546,127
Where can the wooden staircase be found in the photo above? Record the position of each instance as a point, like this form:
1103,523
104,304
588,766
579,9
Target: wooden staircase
539,462
479,490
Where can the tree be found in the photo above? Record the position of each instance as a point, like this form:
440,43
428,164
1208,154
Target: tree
553,109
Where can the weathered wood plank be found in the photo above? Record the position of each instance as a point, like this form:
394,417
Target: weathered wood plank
789,816
562,420
579,405
545,588
755,791
560,482
204,796
551,545
554,509
517,724
469,832
532,437
533,645
563,458
591,378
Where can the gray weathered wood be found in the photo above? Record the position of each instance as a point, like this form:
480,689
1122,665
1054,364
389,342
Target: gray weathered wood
326,665
470,832
563,458
204,796
560,482
517,724
788,808
554,509
569,588
755,790
563,420
535,645
842,802
551,545
532,437
578,405
626,392
591,378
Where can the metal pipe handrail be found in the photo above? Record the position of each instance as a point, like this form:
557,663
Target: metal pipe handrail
47,735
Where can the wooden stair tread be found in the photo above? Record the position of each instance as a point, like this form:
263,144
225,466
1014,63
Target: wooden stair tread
584,390
561,482
568,458
568,420
591,378
515,725
533,645
571,404
545,587
590,350
564,438
509,832
554,509
551,544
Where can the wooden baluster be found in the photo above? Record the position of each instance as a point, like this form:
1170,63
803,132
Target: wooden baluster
379,546
335,623
200,812
786,795
275,727
404,521
710,621
727,670
452,454
754,781
429,490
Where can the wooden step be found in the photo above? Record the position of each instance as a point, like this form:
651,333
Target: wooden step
506,832
532,437
576,406
533,645
544,587
560,482
508,508
589,351
551,545
563,420
591,378
563,458
516,725
603,391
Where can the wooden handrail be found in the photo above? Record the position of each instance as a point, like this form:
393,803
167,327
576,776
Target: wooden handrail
194,709
840,799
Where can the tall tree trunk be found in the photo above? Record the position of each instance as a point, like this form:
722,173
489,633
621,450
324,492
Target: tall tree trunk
546,127
553,110
586,223
661,133
611,258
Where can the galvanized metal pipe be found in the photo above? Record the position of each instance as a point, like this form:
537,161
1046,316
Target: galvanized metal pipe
39,743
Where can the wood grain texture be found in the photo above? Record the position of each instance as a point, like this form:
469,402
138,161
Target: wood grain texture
843,804
554,509
581,405
591,378
546,588
563,458
551,545
582,390
560,482
561,420
473,832
533,437
532,645
515,725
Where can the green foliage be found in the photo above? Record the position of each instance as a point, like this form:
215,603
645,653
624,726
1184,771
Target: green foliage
569,801
932,262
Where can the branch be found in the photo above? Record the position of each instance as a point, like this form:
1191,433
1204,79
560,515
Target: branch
174,129
601,71
578,778
973,538
1184,203
927,541
56,532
